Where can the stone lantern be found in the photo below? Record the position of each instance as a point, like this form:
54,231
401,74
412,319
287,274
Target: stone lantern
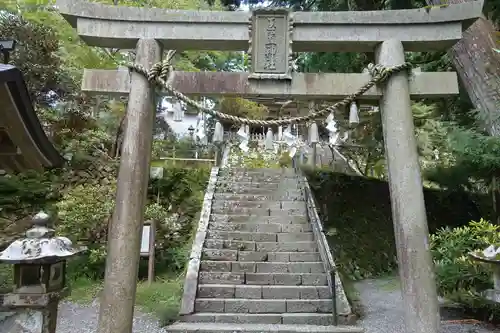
490,256
39,263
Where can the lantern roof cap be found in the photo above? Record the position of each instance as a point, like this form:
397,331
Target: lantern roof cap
40,245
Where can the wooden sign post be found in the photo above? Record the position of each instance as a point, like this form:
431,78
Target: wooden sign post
148,247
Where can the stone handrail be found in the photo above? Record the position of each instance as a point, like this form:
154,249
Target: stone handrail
191,282
341,306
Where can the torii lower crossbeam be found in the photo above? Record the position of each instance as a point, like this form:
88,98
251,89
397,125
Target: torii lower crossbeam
307,86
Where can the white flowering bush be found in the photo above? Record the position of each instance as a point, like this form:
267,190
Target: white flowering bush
168,225
255,158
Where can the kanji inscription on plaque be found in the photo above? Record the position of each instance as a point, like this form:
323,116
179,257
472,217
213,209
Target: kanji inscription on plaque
270,44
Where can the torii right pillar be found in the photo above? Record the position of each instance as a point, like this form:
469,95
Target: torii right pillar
409,217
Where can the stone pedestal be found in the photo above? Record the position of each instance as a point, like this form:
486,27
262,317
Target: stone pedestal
491,294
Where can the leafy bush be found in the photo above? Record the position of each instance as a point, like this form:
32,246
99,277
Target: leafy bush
362,234
455,270
255,158
28,192
83,215
285,160
167,225
459,278
85,211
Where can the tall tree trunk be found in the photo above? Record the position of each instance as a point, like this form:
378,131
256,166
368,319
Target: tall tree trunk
478,67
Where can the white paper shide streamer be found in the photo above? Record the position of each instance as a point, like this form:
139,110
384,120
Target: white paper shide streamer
290,141
269,144
353,114
331,126
243,136
218,136
178,111
313,133
200,129
280,133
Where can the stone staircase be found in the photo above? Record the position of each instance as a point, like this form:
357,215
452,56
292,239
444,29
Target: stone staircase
259,269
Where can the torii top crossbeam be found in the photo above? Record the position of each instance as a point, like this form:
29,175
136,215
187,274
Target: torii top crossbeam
359,31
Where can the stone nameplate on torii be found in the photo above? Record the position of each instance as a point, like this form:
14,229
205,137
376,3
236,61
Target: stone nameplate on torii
270,51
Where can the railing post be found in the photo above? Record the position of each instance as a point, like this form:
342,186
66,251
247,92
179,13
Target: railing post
333,275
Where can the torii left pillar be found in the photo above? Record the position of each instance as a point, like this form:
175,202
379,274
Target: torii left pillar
124,234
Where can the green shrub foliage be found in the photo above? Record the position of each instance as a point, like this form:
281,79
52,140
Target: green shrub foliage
459,278
356,212
84,213
455,270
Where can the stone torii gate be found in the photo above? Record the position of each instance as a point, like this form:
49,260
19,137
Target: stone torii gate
270,35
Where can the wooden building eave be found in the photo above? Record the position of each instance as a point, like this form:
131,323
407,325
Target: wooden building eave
23,142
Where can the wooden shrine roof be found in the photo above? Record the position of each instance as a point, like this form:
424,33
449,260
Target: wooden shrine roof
23,142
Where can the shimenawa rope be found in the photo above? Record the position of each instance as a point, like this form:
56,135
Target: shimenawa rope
161,74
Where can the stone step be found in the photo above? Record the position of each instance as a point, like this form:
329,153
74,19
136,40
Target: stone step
284,279
257,179
267,204
262,267
257,197
259,227
240,218
261,236
208,327
269,185
322,319
236,255
242,305
263,292
266,171
308,246
259,211
263,177
257,173
259,191
245,169
251,181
